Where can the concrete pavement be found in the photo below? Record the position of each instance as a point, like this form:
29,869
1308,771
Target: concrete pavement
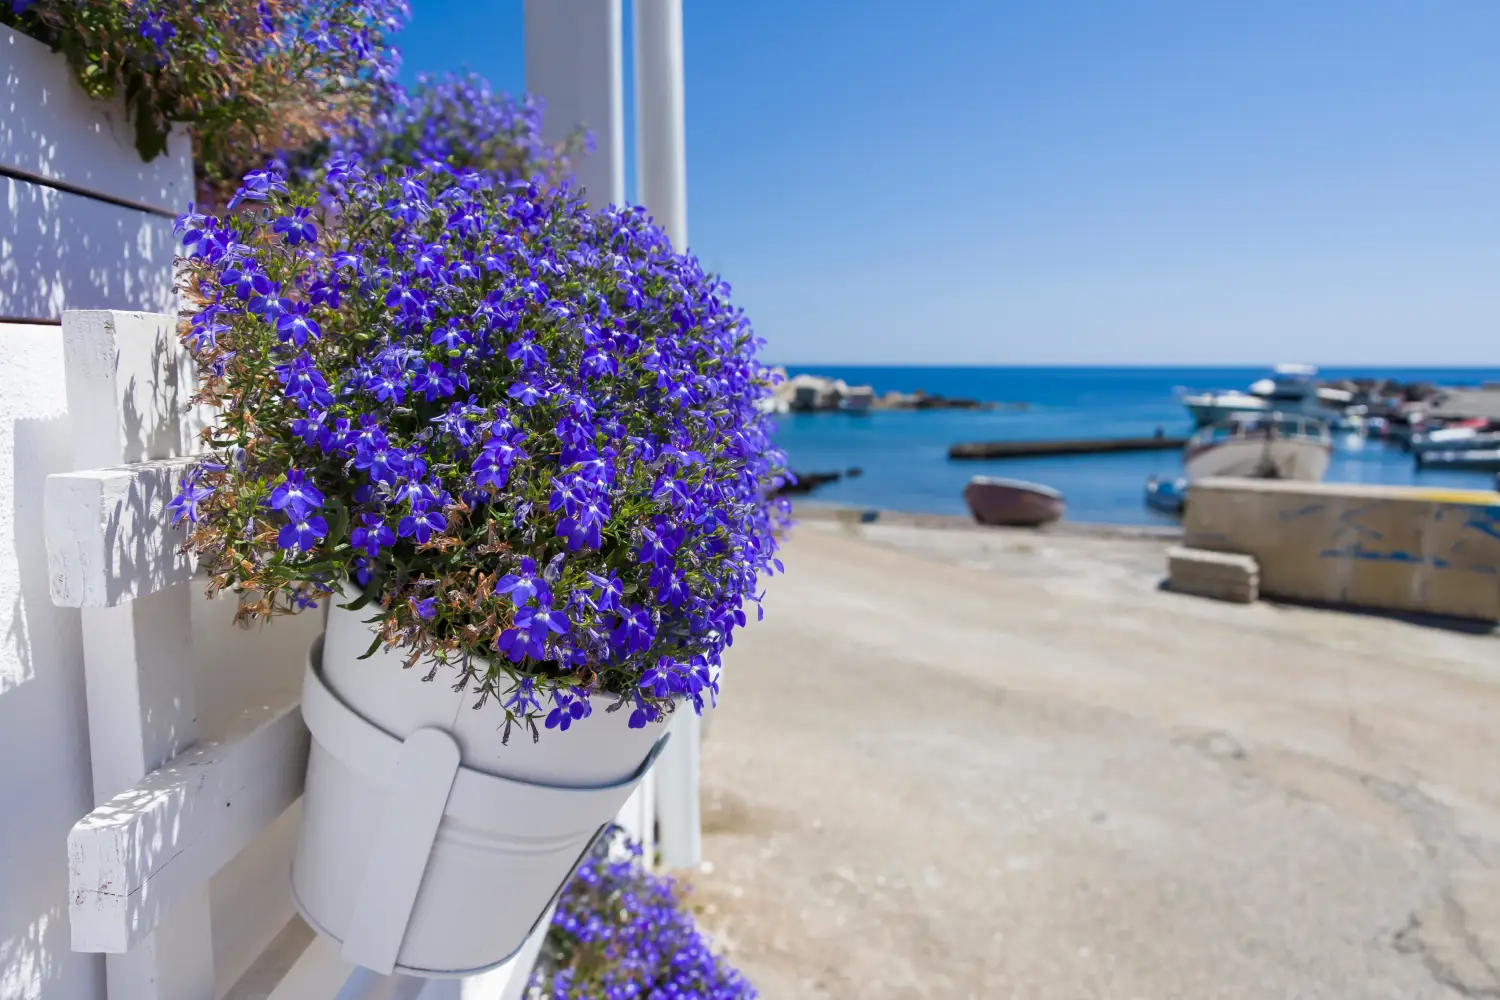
992,764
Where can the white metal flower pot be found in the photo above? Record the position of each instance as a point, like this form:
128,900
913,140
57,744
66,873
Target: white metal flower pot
429,846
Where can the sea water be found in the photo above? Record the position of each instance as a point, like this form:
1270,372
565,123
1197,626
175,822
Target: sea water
904,454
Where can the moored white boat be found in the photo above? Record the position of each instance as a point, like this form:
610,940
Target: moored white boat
1454,439
1274,446
1290,390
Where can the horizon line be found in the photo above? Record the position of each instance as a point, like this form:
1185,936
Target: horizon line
1424,366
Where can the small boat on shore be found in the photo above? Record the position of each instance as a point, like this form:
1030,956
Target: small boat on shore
1012,502
1273,446
1470,460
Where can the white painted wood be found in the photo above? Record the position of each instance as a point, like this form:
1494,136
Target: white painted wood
660,145
137,857
409,823
273,965
60,251
251,900
50,127
320,972
126,390
138,654
44,747
167,965
679,828
109,536
574,62
130,380
637,817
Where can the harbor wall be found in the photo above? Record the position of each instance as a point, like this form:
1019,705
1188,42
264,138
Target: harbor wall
1408,549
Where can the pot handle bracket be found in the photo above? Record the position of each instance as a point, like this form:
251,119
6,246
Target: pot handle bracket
415,801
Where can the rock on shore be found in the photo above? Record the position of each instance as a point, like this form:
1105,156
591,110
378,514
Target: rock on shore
819,393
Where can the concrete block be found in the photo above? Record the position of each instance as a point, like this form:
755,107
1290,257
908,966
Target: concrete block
1408,549
1224,576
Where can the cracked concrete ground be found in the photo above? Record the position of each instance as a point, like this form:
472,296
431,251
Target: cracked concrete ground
959,763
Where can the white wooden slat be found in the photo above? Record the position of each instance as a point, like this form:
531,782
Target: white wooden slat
109,535
320,972
125,393
50,127
144,852
129,382
61,251
137,653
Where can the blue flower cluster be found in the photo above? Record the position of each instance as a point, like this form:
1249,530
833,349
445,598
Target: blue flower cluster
531,433
622,933
462,122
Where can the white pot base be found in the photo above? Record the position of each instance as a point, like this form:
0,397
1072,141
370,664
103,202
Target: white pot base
460,882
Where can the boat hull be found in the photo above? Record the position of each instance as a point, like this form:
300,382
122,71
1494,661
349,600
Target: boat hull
1013,502
1473,460
1167,496
1259,458
1472,441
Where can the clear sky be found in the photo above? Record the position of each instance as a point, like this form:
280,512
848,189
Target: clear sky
1108,182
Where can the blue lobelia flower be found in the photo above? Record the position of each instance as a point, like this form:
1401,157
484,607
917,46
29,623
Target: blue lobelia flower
372,535
420,524
185,503
297,227
525,585
296,326
295,496
302,532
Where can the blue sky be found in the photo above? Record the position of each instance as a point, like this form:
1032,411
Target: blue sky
1110,182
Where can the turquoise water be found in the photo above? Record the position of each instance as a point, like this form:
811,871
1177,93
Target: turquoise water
904,455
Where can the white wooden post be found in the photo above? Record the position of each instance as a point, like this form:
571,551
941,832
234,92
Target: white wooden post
660,143
574,63
128,385
661,171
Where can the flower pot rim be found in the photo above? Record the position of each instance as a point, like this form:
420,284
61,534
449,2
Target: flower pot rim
324,711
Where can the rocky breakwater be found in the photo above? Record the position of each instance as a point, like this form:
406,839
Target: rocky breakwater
819,394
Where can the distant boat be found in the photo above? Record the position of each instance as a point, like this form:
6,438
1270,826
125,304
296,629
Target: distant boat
1168,496
1454,439
1289,390
1012,502
1273,446
1472,460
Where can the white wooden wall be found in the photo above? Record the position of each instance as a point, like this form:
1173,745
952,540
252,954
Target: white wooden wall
118,685
66,239
84,223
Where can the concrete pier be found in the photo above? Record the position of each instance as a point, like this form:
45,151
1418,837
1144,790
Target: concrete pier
1040,449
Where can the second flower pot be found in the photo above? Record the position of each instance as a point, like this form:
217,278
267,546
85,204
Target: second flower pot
516,822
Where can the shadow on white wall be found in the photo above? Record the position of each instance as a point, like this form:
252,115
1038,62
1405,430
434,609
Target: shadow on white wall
44,772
